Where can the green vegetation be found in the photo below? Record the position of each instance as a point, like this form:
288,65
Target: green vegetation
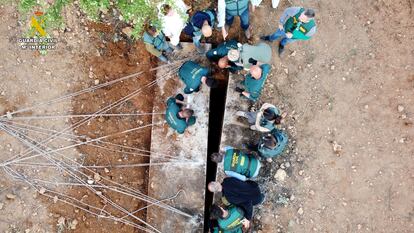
136,13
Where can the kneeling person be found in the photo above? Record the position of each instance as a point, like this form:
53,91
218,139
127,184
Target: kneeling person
254,81
272,144
230,219
194,75
237,164
177,117
245,194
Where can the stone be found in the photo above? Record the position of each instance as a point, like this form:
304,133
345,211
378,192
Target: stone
332,67
336,147
42,190
301,172
280,175
400,108
90,181
127,31
10,196
96,81
286,70
72,224
300,211
1,205
311,192
97,177
61,221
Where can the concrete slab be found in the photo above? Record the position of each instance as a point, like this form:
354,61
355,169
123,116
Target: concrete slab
235,131
166,181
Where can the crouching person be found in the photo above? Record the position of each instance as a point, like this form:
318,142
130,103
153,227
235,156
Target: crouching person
244,194
229,219
272,144
264,120
254,81
156,43
237,164
194,75
178,117
200,25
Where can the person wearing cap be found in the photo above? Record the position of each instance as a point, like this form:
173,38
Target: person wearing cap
264,120
237,163
200,25
173,20
244,194
194,75
227,10
178,117
254,82
219,55
248,55
156,43
296,23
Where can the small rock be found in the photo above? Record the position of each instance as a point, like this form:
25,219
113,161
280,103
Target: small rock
332,67
301,172
96,81
106,170
287,164
55,199
403,116
359,226
42,190
9,115
127,31
90,181
10,196
280,175
72,224
1,205
286,70
311,192
400,108
293,54
300,211
96,177
336,147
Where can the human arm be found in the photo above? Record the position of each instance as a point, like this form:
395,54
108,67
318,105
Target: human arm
289,12
151,49
221,13
236,175
188,90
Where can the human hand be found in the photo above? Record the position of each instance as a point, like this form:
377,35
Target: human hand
281,26
224,33
238,89
246,223
289,35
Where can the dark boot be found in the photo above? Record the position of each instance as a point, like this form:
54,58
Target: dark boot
281,49
179,46
266,38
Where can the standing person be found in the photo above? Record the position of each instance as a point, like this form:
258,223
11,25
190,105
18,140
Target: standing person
264,120
230,219
156,43
272,144
227,10
244,194
237,164
253,82
296,23
173,19
178,117
194,75
248,55
201,24
256,3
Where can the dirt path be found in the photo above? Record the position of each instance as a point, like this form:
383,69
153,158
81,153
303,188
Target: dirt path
344,87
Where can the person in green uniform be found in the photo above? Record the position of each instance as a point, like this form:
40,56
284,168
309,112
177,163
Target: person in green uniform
200,25
272,144
237,163
194,75
296,23
219,55
156,43
248,55
254,82
229,220
264,120
178,117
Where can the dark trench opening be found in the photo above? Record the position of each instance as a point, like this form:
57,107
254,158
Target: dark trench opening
215,124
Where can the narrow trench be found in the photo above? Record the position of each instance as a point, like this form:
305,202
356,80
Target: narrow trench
215,122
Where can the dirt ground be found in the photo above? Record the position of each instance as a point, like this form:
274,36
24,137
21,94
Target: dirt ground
348,93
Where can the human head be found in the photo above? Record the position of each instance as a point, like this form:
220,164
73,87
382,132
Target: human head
187,113
269,114
217,157
256,71
209,81
307,15
152,30
206,30
214,187
233,55
216,212
269,141
223,62
166,9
